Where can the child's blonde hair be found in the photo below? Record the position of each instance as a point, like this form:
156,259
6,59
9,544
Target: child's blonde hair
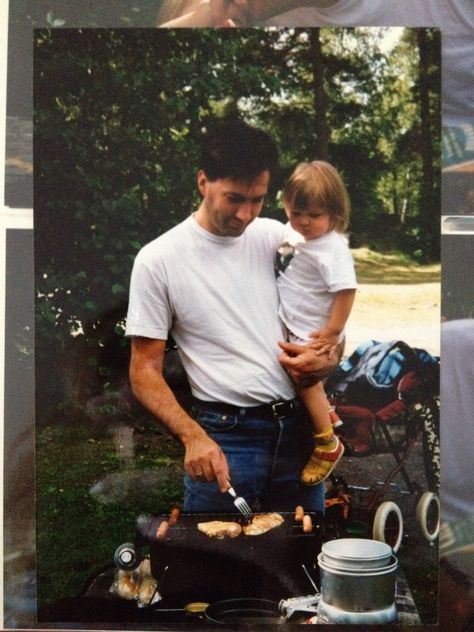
318,184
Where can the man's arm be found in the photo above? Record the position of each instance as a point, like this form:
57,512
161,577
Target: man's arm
203,457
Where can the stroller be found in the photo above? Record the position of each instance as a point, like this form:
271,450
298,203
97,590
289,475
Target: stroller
388,390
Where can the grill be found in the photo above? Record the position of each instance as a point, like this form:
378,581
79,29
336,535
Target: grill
244,578
190,566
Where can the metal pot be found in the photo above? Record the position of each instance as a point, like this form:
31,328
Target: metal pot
358,590
356,553
336,616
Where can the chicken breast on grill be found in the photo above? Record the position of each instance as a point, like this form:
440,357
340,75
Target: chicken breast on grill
261,523
220,529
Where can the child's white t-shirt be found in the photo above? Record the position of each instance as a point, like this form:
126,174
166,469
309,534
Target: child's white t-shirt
319,268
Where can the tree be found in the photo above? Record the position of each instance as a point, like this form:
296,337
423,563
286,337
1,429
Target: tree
323,133
429,82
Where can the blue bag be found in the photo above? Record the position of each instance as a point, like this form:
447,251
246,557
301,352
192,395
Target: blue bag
370,375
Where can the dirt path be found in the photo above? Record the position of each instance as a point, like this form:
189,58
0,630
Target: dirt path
396,312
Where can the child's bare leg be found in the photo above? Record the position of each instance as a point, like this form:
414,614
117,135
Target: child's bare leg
328,448
316,403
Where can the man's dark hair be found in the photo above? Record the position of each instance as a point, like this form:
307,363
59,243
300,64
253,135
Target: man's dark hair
236,150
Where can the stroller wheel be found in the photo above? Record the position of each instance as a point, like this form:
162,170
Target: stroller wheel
388,525
428,515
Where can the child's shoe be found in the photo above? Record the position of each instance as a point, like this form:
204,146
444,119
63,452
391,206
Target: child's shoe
326,454
336,421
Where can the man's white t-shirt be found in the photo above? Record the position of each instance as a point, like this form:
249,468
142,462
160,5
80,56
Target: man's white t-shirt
217,297
454,17
320,268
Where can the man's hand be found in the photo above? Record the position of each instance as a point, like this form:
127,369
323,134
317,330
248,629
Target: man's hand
204,460
306,365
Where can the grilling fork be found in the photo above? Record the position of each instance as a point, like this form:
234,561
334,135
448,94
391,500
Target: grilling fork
240,503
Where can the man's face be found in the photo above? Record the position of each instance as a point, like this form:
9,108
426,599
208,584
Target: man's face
229,206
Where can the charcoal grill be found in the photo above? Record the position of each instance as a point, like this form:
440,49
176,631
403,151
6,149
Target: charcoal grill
190,566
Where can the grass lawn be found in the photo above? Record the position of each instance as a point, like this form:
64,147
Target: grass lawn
77,531
392,268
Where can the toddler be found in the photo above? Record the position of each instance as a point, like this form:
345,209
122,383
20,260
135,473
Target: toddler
317,288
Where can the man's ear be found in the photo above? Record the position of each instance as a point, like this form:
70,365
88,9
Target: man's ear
201,182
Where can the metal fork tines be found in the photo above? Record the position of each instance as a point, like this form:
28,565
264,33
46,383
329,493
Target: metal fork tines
241,504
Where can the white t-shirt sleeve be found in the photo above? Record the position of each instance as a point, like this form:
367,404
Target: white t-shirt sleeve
149,312
274,231
338,270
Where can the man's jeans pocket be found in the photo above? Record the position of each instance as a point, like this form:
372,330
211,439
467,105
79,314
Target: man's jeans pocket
214,422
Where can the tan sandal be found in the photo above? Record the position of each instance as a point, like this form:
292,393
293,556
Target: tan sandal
321,463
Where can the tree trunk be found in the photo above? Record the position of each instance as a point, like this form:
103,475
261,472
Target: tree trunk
323,133
426,145
406,194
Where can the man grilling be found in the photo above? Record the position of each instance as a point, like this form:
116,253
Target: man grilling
209,282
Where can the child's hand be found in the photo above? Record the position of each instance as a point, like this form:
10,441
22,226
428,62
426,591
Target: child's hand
325,340
305,365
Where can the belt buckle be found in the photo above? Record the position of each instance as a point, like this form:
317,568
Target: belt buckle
286,406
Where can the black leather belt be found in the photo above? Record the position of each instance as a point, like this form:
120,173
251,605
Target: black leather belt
274,410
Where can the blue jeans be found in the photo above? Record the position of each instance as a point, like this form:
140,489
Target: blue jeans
265,457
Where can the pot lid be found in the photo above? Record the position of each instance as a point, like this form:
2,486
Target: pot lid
361,549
